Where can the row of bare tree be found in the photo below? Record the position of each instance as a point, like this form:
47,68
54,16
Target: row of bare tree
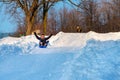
99,16
90,15
95,15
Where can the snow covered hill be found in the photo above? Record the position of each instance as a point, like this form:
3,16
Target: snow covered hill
69,56
80,39
60,40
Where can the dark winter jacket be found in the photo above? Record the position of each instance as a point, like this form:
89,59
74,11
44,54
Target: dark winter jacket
43,41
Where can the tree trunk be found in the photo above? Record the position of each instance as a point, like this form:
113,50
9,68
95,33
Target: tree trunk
45,15
30,21
29,25
29,29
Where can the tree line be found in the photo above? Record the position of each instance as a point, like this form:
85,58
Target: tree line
88,15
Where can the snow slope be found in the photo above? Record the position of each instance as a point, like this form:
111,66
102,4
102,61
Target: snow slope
61,39
69,56
80,39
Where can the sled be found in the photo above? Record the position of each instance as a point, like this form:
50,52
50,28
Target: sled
41,46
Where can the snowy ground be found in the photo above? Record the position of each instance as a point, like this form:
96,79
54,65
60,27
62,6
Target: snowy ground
69,56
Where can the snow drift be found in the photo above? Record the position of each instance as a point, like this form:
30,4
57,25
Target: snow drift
61,39
69,56
80,39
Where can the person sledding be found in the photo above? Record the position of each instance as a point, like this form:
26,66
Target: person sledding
43,41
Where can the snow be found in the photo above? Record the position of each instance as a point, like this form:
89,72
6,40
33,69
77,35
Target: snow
80,39
69,56
62,39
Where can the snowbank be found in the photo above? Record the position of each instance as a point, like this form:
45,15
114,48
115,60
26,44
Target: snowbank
79,39
61,39
23,44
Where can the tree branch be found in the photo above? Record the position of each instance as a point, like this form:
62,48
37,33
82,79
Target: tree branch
20,4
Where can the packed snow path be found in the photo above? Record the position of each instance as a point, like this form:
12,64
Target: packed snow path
70,56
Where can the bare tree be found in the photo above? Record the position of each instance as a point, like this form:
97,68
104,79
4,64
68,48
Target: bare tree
30,8
88,14
116,14
69,19
88,9
46,6
63,18
53,21
110,16
116,7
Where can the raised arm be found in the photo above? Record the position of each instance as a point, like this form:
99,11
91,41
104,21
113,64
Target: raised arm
48,37
37,36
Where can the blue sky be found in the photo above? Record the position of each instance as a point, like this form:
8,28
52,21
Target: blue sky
6,22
